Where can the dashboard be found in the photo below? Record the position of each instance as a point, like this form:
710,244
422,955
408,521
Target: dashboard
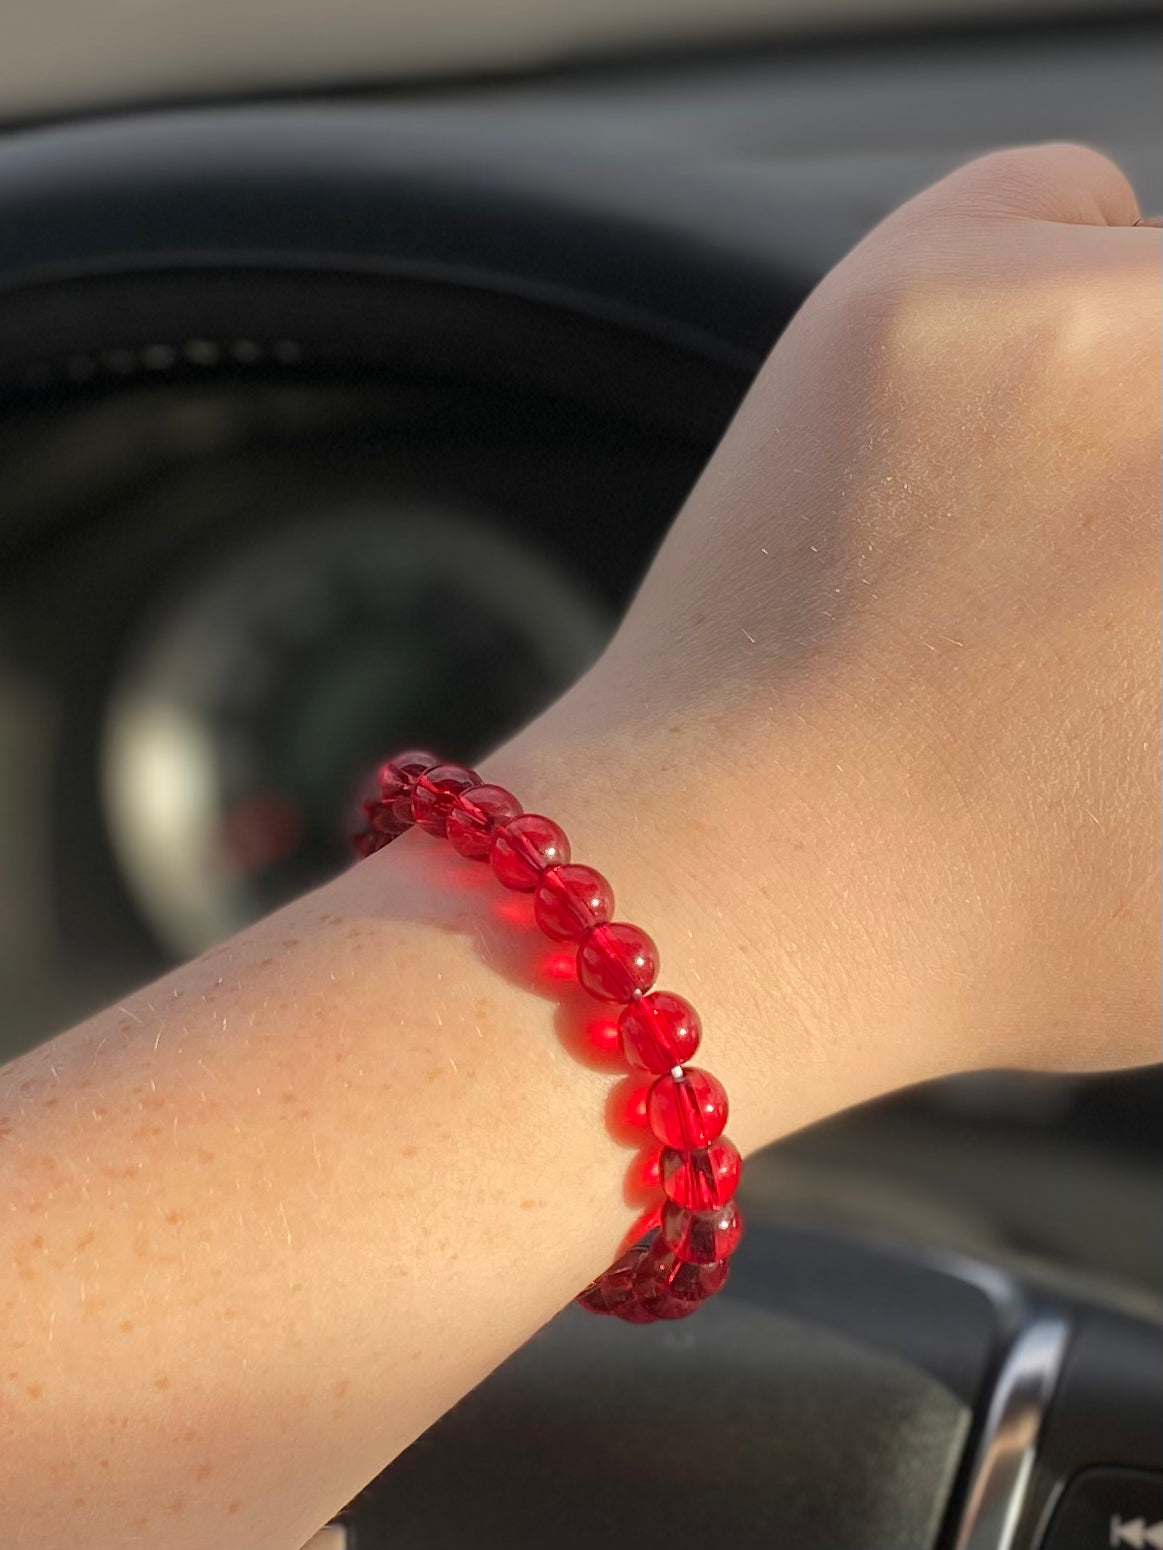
328,426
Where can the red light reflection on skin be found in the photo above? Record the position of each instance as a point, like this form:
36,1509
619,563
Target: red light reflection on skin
648,1172
516,908
513,944
627,1109
645,1224
455,871
602,1034
558,964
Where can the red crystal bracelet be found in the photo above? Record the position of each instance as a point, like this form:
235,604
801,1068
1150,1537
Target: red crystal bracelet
685,1261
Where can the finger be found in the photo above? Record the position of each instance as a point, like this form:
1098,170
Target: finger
1068,183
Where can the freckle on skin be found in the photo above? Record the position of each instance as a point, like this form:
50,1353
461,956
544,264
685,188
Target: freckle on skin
84,1240
233,1507
176,1505
140,1524
38,1241
50,1103
409,1151
162,1382
528,1205
34,1390
102,1463
173,1217
342,1387
204,1155
126,1326
289,1097
203,1471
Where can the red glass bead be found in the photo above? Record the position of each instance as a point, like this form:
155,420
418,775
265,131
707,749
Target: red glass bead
391,787
615,1285
385,822
701,1179
634,1312
397,778
474,817
408,764
616,960
571,899
689,1111
522,849
664,1306
382,828
434,793
671,1288
701,1237
659,1032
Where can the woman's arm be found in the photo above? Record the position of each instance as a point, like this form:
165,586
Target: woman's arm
874,760
267,1219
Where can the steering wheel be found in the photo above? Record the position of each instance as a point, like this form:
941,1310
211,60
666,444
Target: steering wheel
845,1391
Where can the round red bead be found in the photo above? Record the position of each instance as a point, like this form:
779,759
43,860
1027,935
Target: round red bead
434,793
571,899
701,1179
397,778
634,1312
671,1288
385,822
687,1111
410,763
615,1285
523,848
701,1237
659,1032
474,817
615,961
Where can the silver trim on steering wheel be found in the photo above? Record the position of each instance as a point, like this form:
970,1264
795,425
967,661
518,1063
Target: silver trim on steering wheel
1005,1456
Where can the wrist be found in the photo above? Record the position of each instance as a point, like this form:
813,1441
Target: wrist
791,896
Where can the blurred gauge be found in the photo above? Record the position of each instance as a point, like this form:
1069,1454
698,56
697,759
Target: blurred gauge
260,692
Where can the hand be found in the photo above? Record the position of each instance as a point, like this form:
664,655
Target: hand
883,725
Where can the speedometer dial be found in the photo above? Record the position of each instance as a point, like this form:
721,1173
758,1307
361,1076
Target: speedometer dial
267,681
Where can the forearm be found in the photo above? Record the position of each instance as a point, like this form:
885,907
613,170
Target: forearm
875,762
270,1217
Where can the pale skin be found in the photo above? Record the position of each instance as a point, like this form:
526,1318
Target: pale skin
875,759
